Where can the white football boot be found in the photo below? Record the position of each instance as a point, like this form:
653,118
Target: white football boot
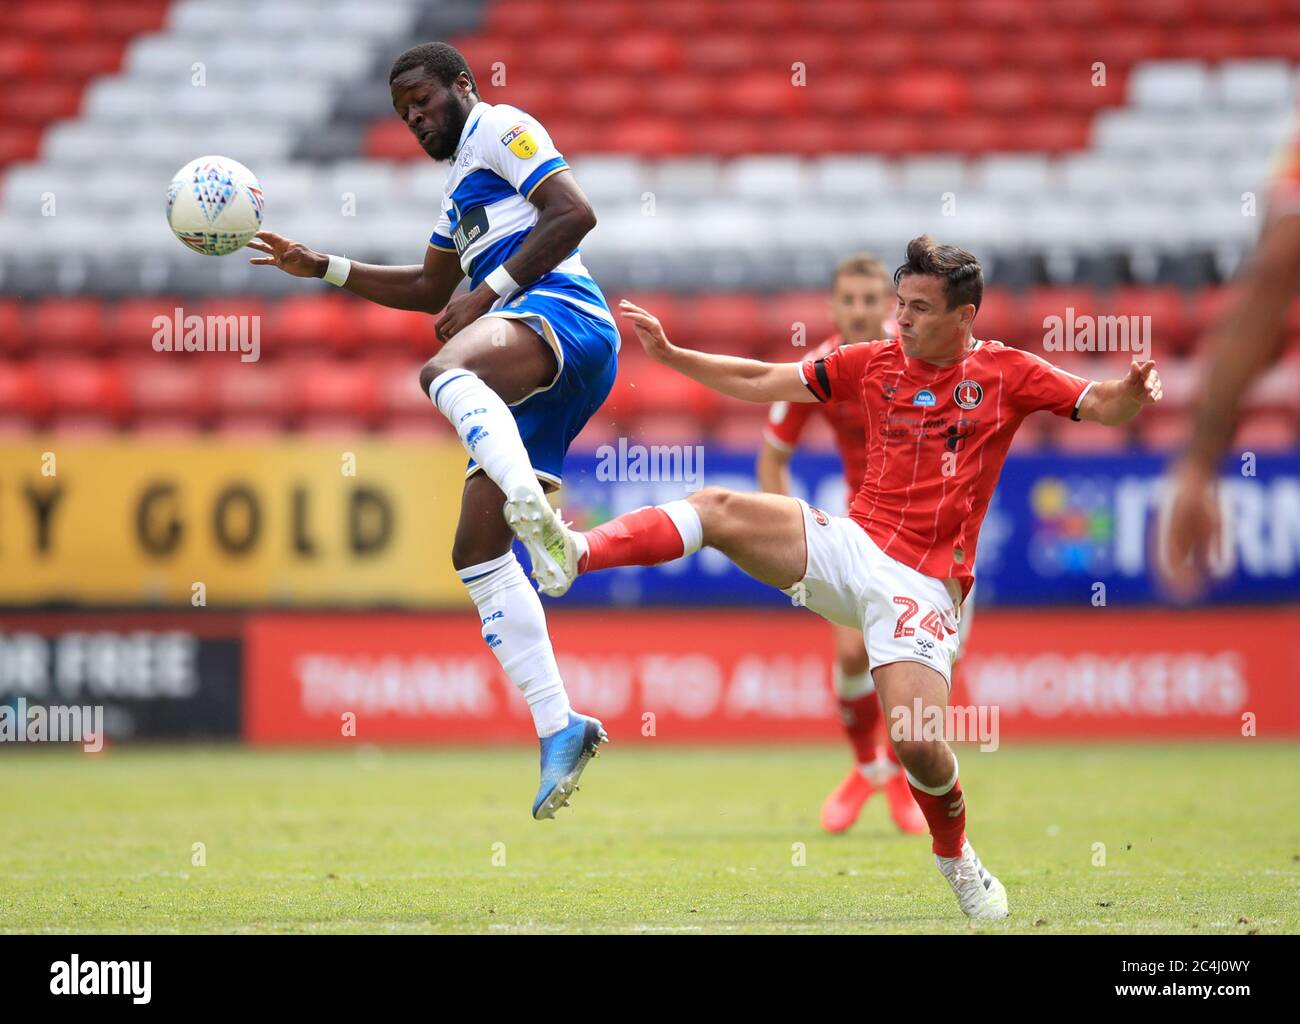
979,894
549,543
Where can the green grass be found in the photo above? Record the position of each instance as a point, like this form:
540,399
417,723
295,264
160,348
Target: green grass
1197,838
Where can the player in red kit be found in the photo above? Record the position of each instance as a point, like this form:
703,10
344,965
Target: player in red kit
861,295
941,408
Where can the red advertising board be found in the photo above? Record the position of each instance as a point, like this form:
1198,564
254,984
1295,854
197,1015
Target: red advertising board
727,676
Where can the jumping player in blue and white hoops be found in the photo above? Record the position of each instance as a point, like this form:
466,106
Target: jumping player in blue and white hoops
530,353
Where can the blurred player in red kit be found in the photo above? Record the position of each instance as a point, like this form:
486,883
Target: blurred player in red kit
941,408
861,296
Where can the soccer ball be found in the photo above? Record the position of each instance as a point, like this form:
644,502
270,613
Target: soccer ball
214,205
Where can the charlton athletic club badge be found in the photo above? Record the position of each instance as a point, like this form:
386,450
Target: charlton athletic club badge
968,394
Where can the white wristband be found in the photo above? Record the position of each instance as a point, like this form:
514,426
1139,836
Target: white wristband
501,282
338,270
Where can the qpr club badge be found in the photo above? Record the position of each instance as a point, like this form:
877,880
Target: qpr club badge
968,394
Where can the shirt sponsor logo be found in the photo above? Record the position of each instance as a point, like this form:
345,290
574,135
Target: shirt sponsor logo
470,229
520,142
923,397
968,394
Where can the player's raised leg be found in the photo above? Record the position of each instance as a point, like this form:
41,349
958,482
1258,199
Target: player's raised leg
470,381
931,768
761,533
482,370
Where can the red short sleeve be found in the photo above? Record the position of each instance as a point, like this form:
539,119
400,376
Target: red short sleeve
1041,386
837,376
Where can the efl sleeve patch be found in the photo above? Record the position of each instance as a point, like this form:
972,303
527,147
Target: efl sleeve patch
519,140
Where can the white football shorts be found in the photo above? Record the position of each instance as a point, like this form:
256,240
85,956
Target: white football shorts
904,615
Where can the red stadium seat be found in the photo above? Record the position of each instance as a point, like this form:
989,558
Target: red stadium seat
651,137
682,96
982,51
491,55
23,392
609,95
1041,303
671,310
23,59
1167,308
69,325
531,94
647,386
644,53
1000,317
250,392
320,324
18,142
731,322
722,53
52,19
380,327
1009,90
1270,430
85,59
326,388
1163,433
13,327
1208,304
917,91
657,428
129,324
761,94
731,138
1058,132
167,387
39,102
842,92
81,387
785,312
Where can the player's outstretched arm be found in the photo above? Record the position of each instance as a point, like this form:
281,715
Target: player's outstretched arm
424,287
747,379
1114,402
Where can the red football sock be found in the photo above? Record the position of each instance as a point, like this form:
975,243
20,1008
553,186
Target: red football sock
644,537
946,816
891,756
860,717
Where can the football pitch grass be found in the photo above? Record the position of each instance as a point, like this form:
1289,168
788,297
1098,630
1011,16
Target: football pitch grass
1196,838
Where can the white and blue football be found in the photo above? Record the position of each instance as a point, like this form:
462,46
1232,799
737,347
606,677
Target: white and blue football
214,205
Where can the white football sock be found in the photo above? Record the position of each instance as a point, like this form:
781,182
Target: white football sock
851,687
486,428
688,524
514,626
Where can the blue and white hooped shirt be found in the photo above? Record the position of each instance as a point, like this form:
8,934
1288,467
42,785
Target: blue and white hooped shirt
502,157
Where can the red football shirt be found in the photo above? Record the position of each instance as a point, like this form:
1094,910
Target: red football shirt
936,438
786,422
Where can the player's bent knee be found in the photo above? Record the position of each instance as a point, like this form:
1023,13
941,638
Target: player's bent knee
435,368
927,760
713,506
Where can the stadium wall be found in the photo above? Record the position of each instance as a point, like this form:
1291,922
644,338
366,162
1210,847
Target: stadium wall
727,676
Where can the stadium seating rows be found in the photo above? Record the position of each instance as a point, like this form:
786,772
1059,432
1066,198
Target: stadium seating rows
329,362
